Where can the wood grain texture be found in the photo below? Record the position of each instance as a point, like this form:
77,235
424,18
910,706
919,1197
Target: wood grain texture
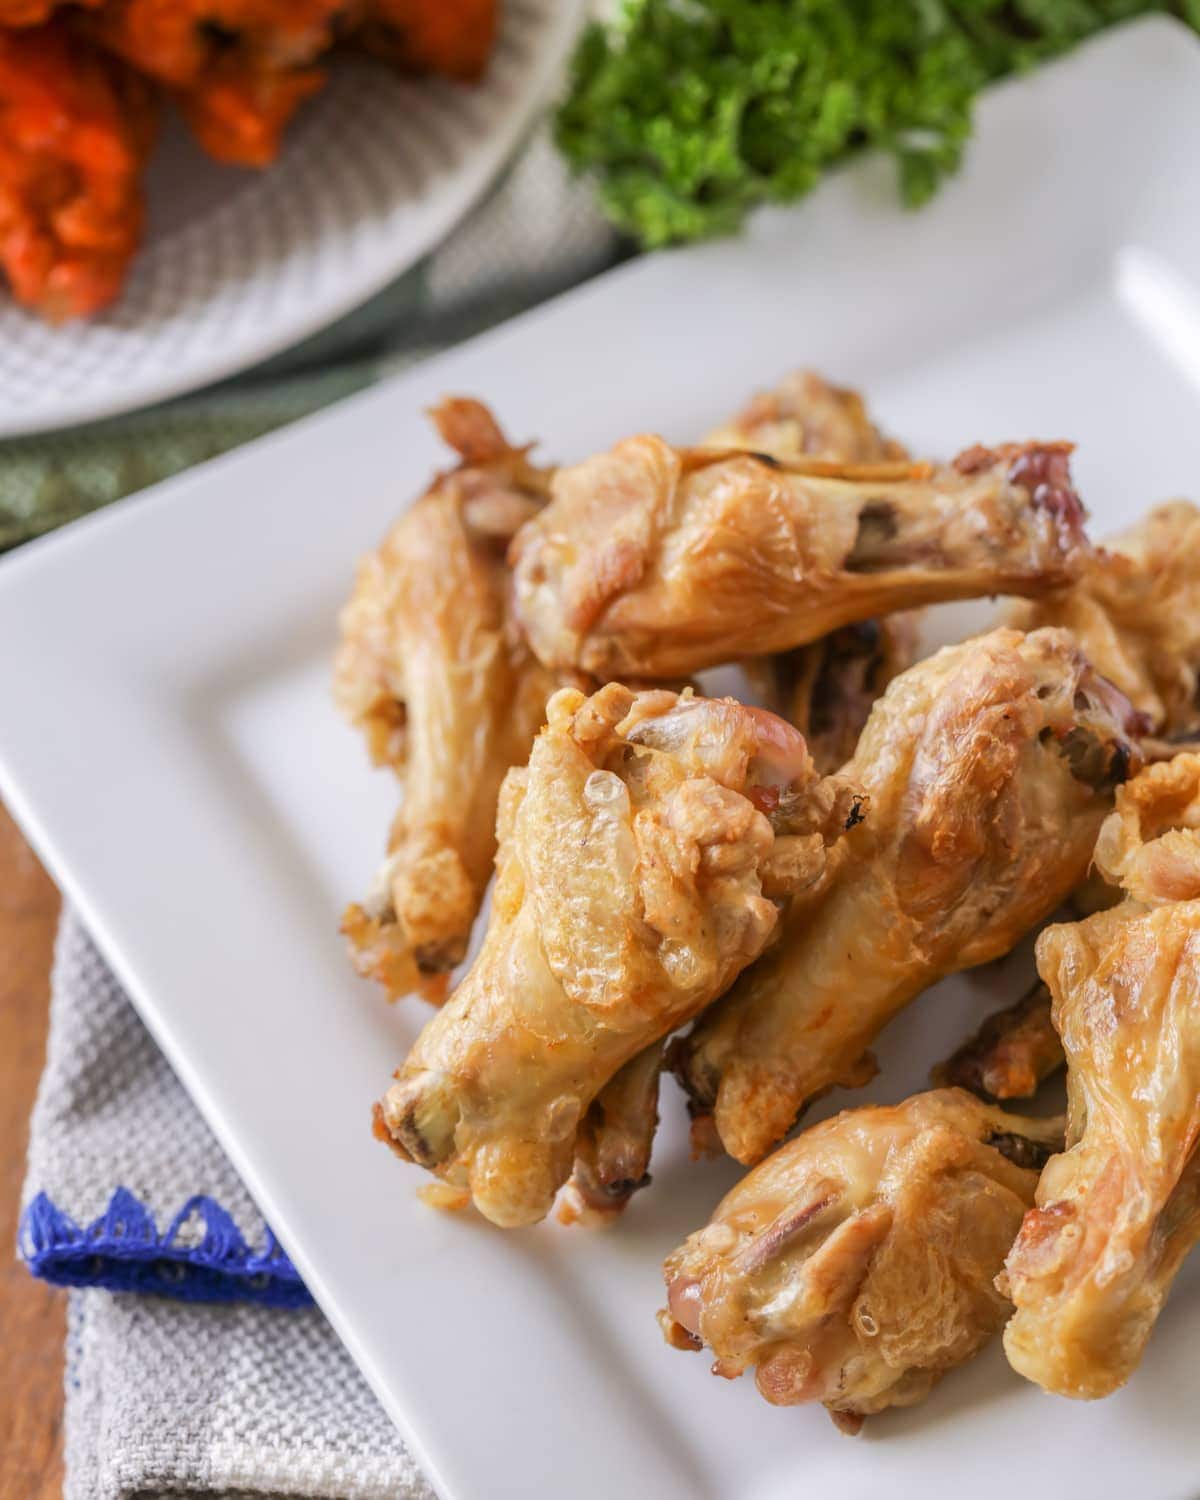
32,1316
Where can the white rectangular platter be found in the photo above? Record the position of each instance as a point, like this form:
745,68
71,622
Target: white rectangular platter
169,744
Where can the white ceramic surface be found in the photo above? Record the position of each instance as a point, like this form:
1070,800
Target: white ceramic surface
168,743
238,265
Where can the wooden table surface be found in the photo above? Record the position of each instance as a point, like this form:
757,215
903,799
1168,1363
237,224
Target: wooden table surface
32,1315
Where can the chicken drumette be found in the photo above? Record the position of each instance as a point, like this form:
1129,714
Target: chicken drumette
1120,1209
642,855
652,560
988,768
445,693
856,1265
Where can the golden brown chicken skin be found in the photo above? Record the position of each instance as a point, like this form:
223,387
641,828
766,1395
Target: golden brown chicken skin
643,852
1011,1054
652,560
988,768
1136,612
856,1265
1117,1212
445,693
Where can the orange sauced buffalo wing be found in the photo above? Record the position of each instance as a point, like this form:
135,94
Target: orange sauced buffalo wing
453,38
75,130
238,68
76,108
16,14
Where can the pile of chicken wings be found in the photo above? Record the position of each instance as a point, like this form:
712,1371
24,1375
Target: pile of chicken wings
744,894
82,83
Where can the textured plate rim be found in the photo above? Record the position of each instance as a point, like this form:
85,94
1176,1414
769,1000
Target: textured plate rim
458,193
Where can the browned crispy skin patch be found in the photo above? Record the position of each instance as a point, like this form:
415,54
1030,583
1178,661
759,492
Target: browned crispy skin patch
1012,1052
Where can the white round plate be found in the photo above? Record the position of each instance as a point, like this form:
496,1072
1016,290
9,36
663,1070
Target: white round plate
238,265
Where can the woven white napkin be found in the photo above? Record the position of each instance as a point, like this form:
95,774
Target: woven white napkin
176,1398
126,1185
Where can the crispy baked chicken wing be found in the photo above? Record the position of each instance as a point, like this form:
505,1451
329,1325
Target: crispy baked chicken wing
988,768
825,690
652,560
1011,1053
1117,1213
444,692
75,131
856,1265
642,854
1136,612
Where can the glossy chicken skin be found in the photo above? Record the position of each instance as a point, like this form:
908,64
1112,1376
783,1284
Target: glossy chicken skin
856,1265
1136,612
652,560
445,694
1120,1209
1011,1054
988,768
75,131
642,855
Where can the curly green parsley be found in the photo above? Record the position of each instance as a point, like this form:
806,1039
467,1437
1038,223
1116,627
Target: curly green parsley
690,112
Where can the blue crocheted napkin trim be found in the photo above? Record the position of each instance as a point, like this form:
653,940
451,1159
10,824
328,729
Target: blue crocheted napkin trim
123,1251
